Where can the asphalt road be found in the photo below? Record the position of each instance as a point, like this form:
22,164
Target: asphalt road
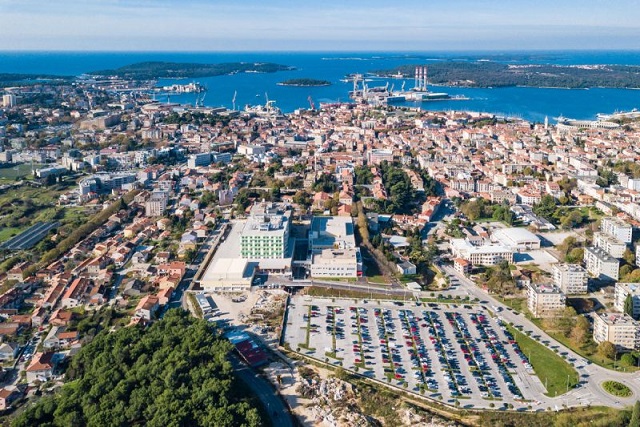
273,404
590,392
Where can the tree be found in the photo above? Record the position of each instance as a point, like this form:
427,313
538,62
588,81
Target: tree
635,415
575,256
628,359
628,305
607,349
546,208
580,331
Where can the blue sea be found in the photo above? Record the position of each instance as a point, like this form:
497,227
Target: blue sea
528,103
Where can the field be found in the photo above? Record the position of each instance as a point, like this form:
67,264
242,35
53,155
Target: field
553,370
21,171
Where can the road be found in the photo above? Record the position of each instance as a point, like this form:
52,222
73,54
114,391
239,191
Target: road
592,375
273,404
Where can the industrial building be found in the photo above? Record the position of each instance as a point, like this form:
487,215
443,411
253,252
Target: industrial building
229,274
518,239
570,278
620,329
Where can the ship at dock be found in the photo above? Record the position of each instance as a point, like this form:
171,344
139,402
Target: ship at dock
383,95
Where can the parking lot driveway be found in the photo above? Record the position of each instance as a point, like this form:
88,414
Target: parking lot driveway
450,351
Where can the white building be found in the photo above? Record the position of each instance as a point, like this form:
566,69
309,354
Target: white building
480,255
622,290
638,255
335,263
9,100
610,244
545,300
615,227
200,159
600,264
228,274
518,239
157,204
332,241
620,329
570,278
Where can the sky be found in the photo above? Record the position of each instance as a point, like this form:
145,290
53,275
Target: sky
326,25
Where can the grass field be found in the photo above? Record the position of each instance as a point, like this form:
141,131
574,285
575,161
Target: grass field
8,232
22,171
550,368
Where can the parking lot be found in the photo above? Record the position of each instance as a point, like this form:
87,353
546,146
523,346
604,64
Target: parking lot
443,351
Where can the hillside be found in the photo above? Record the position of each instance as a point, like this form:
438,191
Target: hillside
173,373
495,74
155,70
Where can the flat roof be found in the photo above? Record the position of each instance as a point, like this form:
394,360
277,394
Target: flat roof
516,235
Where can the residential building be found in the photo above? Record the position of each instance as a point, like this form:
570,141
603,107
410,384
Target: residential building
570,278
620,329
41,367
8,395
9,100
266,232
462,266
545,300
147,307
201,159
157,204
377,156
600,264
611,245
615,227
406,268
8,351
622,290
480,255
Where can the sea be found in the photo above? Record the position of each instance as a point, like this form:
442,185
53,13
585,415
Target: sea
533,104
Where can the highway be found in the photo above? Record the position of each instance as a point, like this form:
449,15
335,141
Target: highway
271,401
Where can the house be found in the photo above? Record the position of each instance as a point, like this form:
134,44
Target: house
8,395
164,295
41,367
175,268
8,351
147,307
163,257
462,266
59,337
140,257
61,317
74,295
16,272
406,268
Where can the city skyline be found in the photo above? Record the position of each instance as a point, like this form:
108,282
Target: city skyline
195,25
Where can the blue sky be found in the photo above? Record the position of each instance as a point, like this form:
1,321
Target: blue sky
327,25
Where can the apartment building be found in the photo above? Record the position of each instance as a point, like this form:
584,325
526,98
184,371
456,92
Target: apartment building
157,204
615,227
610,244
545,300
620,329
622,290
600,264
570,278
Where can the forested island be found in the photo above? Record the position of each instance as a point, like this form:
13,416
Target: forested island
14,79
174,373
155,70
494,74
305,82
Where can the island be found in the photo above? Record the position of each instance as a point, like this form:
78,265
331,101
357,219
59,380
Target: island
155,70
305,82
15,79
495,74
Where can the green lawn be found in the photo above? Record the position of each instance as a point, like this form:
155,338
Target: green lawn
8,232
23,170
550,368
